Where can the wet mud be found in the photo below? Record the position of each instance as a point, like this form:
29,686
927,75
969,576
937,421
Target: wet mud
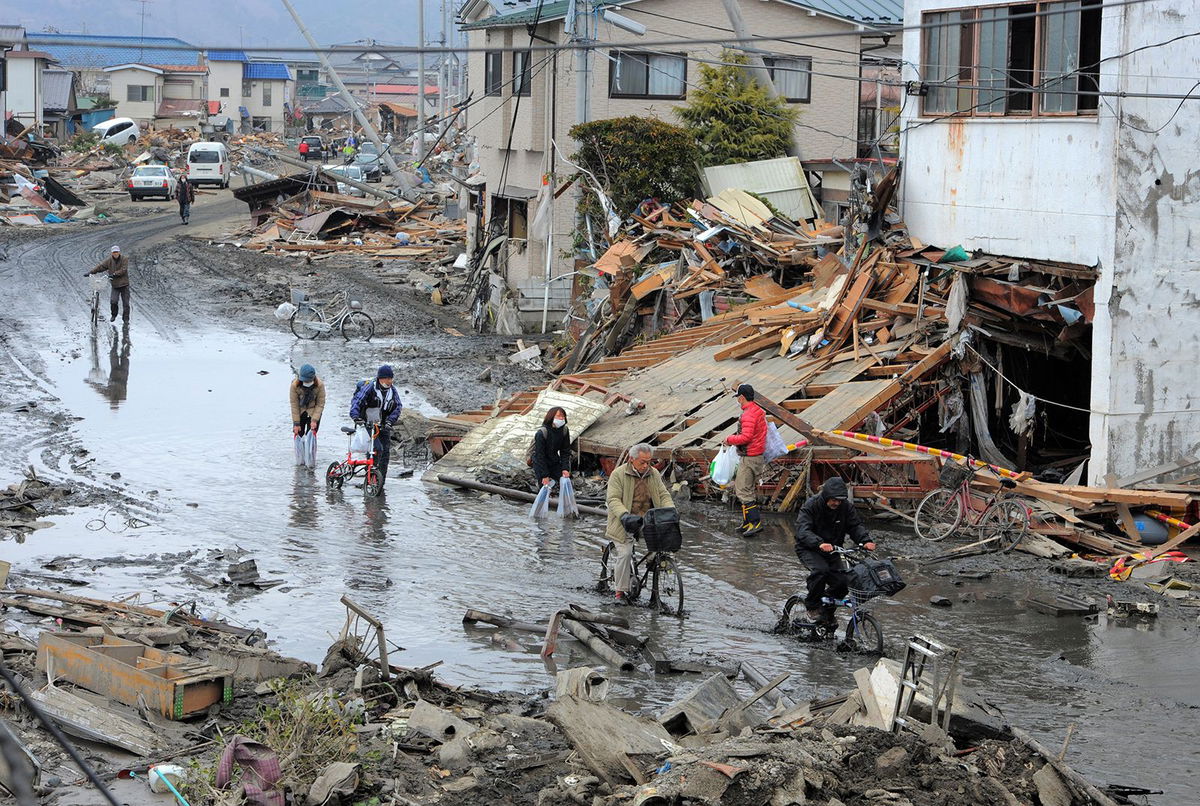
173,437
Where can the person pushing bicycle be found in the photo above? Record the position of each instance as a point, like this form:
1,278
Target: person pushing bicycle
823,523
633,489
377,403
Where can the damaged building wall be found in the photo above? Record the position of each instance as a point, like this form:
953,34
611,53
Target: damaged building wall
1144,377
827,126
1089,189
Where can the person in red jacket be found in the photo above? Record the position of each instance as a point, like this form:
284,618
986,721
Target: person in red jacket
751,440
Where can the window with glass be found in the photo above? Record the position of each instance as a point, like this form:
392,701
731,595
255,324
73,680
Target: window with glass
139,92
522,78
637,74
493,72
792,76
1014,60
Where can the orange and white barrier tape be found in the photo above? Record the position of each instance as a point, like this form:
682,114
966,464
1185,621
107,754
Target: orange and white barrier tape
958,457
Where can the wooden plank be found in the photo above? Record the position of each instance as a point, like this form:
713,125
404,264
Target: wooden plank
1148,498
605,736
1127,524
710,264
904,309
750,345
81,718
847,309
833,409
1175,542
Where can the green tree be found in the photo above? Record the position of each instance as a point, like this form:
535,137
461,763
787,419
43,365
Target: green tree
636,158
732,118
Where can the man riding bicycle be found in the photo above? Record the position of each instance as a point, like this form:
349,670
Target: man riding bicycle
823,523
634,488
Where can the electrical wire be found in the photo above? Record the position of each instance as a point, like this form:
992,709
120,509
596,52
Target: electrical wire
865,30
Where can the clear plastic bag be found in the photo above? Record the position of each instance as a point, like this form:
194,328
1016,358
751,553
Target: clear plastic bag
285,311
567,507
541,504
725,466
306,450
775,446
360,443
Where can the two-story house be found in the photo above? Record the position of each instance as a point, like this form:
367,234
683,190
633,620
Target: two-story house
256,92
88,60
528,98
1067,131
164,95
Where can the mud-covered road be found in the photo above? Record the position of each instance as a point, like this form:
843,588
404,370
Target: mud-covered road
175,437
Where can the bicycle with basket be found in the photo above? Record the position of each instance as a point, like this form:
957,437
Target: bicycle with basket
309,320
869,578
1000,521
656,567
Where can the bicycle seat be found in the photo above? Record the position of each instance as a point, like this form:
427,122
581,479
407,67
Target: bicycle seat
347,429
1008,484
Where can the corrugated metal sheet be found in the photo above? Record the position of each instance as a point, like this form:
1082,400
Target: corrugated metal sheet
56,90
781,181
227,56
881,11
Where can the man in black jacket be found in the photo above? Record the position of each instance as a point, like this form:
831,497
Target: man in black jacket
824,521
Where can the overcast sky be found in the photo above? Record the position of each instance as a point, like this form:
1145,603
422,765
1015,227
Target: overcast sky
230,23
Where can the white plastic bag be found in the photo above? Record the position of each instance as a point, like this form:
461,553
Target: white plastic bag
541,504
725,466
567,507
298,444
775,446
285,311
306,450
360,443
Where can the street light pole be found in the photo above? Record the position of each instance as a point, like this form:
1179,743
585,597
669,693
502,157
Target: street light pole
421,80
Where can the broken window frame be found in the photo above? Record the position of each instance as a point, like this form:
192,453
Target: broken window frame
493,73
522,80
620,62
792,64
960,89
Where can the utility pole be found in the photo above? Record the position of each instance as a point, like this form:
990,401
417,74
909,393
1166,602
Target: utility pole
578,21
421,79
367,128
444,71
757,68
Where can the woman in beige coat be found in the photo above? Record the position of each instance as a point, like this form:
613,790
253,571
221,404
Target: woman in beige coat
308,401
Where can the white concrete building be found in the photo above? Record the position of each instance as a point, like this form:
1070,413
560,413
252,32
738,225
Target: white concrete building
258,93
1096,165
533,97
23,98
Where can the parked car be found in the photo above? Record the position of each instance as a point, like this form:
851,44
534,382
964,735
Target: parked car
350,172
368,158
152,180
209,162
120,131
316,147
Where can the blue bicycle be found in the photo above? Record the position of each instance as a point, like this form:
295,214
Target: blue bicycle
868,578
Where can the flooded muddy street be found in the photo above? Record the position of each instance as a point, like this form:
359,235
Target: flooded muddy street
175,434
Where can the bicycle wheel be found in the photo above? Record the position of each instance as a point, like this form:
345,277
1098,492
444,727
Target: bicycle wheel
357,326
938,515
785,619
667,585
333,476
1005,522
307,321
604,583
373,485
864,636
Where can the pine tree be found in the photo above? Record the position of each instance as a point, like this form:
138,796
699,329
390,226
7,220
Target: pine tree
732,117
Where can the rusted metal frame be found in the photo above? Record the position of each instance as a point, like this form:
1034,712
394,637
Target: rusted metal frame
359,612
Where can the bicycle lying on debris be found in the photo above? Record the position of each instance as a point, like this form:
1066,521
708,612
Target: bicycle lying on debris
868,578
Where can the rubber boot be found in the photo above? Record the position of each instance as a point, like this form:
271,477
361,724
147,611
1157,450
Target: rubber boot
754,523
741,530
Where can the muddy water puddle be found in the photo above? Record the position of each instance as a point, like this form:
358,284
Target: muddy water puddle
197,428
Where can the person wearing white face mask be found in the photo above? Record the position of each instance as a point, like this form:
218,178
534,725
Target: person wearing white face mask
308,401
550,455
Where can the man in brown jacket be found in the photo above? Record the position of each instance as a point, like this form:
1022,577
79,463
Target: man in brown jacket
308,401
633,488
117,266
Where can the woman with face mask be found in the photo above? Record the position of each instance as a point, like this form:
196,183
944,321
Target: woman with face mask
551,452
308,401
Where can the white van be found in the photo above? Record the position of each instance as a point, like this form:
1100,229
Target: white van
118,130
208,162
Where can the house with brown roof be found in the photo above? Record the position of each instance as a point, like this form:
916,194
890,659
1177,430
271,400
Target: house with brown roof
165,95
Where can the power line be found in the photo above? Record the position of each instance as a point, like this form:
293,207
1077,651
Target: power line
867,31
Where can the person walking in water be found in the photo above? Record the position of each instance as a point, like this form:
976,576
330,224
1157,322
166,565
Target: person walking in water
751,441
308,401
551,454
117,266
